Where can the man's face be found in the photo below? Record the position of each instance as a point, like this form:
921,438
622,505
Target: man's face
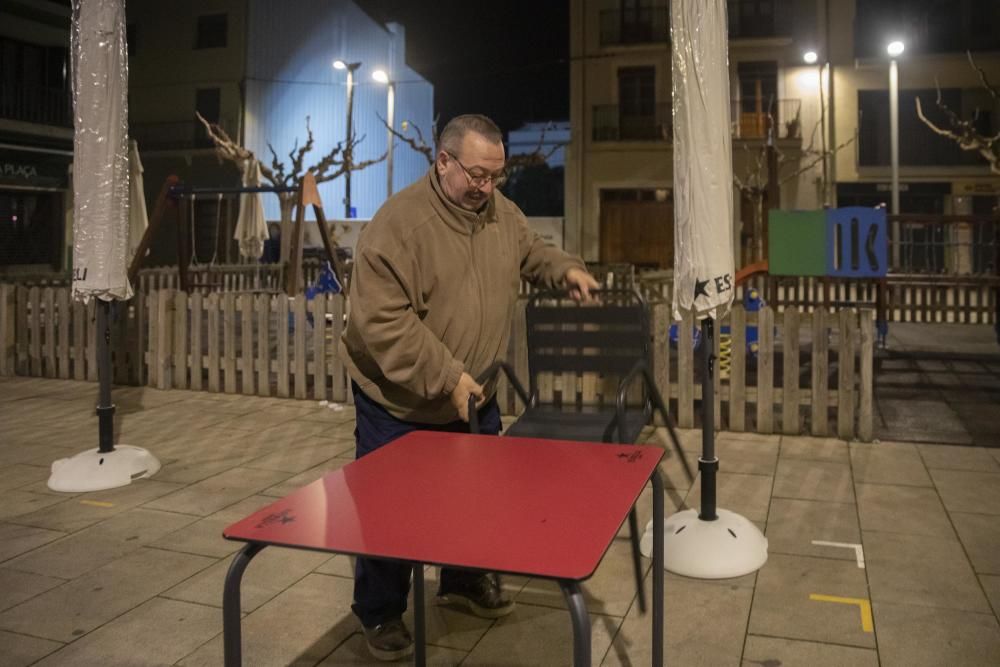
469,176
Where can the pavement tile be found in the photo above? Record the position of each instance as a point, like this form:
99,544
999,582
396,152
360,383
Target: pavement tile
888,463
782,606
204,536
928,421
291,432
20,586
814,449
952,457
16,540
813,480
304,455
738,455
273,570
302,625
86,509
210,495
921,571
793,524
980,535
776,651
991,585
89,601
705,625
21,650
963,491
158,632
748,495
450,627
309,476
17,503
913,510
914,636
19,475
93,547
259,421
354,651
338,566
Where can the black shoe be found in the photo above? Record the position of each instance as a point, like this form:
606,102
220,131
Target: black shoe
483,596
390,640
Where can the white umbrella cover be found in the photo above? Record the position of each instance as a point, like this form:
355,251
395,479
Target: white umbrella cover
251,228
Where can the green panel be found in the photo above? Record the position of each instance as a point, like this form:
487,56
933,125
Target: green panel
796,243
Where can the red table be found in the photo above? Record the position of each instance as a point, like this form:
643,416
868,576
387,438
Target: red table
540,508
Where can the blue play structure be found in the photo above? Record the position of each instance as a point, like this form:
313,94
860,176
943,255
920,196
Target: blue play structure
326,283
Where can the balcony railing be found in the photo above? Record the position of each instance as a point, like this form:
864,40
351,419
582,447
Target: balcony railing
640,25
749,120
180,135
611,124
35,104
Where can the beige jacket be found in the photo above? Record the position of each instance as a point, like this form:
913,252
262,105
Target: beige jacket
433,293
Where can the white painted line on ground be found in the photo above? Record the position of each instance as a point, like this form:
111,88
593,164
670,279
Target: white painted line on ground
859,551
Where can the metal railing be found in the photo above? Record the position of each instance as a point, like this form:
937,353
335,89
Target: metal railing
945,244
751,119
639,25
611,124
36,104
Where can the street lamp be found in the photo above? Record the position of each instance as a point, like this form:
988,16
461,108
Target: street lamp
381,77
348,154
812,58
894,49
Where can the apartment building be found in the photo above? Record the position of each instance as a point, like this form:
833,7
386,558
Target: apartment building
827,114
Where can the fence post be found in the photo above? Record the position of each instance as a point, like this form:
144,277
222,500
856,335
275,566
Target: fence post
21,365
738,369
790,373
49,308
181,364
820,408
866,388
661,350
765,370
8,332
319,347
197,357
246,336
845,376
164,347
263,345
229,342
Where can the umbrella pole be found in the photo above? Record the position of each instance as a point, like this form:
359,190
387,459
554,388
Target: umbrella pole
105,408
708,464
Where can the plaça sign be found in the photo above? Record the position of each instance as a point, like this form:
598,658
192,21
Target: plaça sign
850,242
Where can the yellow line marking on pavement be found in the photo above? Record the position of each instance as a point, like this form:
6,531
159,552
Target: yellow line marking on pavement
97,503
867,624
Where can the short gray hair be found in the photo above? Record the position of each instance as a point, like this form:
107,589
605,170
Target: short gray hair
456,129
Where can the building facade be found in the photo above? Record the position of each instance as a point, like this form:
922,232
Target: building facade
829,117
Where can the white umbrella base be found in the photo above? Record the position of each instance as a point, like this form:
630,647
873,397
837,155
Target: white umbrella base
730,546
93,470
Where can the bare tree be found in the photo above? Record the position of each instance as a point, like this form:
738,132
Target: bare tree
964,131
338,161
416,143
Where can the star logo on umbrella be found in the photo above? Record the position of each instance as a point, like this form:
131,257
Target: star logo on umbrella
699,288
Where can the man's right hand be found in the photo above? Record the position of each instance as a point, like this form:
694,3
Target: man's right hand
466,387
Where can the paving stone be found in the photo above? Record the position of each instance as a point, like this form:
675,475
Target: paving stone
16,540
913,636
814,449
302,625
450,627
747,495
793,524
307,477
813,480
19,475
20,586
888,463
991,585
963,491
212,494
17,503
306,453
782,606
292,432
903,509
204,537
21,650
921,571
933,421
776,651
951,457
158,632
355,651
93,547
89,601
338,566
980,535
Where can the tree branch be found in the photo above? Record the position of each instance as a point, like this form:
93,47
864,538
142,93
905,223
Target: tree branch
417,144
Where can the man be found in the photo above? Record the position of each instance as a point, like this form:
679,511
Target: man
433,291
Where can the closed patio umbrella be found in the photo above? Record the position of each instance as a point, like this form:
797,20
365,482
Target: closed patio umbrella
251,228
138,219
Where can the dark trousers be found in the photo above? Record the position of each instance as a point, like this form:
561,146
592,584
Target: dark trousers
381,587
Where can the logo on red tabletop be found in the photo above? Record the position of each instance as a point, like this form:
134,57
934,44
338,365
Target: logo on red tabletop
631,457
277,519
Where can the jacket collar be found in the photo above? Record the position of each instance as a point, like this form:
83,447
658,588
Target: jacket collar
455,216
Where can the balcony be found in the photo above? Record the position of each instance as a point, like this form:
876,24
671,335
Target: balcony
36,104
640,25
750,121
179,135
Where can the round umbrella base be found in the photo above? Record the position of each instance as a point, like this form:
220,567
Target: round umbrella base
730,546
93,470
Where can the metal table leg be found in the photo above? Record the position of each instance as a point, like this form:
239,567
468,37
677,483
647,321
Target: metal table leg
420,652
658,576
231,631
581,622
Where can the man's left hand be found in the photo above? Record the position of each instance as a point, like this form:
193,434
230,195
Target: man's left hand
580,283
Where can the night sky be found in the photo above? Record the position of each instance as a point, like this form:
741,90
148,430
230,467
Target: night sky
507,59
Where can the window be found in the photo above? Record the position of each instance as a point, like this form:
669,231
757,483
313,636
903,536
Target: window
212,31
751,18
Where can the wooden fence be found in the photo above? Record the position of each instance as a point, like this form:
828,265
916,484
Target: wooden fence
808,373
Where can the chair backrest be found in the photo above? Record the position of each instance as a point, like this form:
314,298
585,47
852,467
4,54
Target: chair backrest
604,338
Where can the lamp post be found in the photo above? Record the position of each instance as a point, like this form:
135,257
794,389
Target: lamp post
381,76
348,154
894,49
812,58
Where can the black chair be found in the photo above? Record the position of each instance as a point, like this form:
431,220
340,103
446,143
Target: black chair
610,337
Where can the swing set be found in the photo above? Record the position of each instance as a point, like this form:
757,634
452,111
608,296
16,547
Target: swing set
182,200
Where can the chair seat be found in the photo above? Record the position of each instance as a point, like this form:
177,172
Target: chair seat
586,425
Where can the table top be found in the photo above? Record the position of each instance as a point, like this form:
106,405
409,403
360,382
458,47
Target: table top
547,508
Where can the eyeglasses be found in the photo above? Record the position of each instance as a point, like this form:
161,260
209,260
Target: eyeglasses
479,180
